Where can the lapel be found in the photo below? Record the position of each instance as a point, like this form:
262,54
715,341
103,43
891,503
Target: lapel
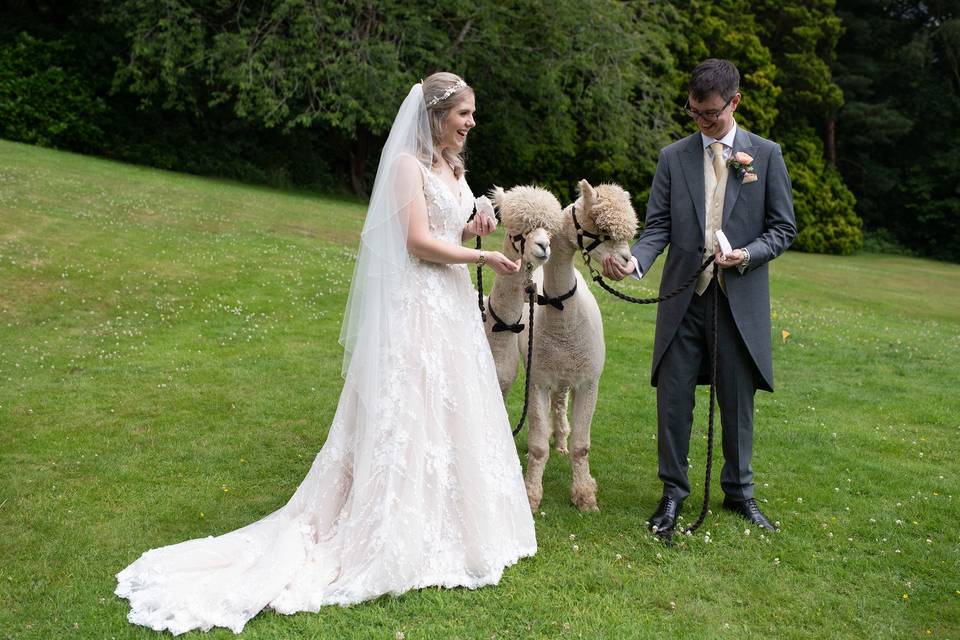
741,142
692,162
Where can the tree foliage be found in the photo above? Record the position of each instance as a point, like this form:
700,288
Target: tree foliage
302,92
344,66
43,99
897,134
802,36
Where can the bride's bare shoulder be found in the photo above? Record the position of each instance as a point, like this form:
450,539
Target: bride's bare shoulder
408,167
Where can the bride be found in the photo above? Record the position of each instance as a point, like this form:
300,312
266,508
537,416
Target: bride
418,483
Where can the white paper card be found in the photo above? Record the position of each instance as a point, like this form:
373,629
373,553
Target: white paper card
725,247
484,206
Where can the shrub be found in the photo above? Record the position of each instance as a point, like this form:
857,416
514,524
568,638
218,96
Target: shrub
43,100
826,219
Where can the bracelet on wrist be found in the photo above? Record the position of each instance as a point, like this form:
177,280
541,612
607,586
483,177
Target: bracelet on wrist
481,258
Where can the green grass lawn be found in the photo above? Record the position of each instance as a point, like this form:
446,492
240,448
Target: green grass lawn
169,367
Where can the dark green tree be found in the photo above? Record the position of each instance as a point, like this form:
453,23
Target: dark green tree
46,100
802,36
897,135
568,89
341,67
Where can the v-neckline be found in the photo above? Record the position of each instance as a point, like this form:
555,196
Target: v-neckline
458,196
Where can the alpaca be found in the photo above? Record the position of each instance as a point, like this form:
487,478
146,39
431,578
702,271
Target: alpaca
568,347
533,214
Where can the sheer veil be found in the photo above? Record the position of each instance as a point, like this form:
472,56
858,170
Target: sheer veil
383,261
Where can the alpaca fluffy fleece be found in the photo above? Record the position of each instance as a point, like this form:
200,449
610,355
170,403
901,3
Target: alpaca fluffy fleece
610,209
526,207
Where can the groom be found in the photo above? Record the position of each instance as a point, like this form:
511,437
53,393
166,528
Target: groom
720,178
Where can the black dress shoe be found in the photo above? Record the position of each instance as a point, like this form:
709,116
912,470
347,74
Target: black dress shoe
665,517
748,510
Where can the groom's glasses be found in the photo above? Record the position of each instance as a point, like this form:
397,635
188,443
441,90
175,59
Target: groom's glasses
710,116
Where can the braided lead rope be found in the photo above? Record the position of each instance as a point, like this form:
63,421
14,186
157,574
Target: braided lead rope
598,278
531,289
479,244
713,393
483,312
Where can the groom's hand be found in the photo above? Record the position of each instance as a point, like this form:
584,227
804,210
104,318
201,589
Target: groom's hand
732,259
613,269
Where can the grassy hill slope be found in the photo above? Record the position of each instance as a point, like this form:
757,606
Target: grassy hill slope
169,367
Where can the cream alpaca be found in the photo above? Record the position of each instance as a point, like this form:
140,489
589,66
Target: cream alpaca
568,347
535,214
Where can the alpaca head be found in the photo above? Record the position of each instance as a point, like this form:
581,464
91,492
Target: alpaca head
606,210
532,213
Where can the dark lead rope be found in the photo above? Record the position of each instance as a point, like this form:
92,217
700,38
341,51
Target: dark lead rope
531,297
519,243
531,289
713,392
483,313
597,240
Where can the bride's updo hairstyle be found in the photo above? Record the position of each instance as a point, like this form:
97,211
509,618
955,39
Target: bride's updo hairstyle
439,99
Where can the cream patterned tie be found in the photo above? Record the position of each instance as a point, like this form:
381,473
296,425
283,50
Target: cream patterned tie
718,167
714,212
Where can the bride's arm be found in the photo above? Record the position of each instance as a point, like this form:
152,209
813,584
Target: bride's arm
424,246
419,241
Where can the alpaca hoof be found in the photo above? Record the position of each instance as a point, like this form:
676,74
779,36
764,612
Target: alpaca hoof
586,504
561,448
584,497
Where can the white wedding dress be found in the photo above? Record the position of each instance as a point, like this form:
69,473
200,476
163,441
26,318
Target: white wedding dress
420,486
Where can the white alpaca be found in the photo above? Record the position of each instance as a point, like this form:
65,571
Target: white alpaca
529,216
568,347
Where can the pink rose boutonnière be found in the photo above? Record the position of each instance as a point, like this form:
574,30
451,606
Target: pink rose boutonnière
742,164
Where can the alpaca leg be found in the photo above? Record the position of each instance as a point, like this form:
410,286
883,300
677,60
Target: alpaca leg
583,493
538,444
507,358
561,427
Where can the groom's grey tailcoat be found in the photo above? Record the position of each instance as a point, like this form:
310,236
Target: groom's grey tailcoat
757,216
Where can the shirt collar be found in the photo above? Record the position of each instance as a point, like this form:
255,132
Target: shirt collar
726,140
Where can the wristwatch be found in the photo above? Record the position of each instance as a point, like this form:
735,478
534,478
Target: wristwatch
746,261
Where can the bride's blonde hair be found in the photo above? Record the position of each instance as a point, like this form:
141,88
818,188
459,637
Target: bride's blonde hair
439,102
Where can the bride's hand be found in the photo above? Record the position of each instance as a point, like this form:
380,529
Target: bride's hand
481,225
501,264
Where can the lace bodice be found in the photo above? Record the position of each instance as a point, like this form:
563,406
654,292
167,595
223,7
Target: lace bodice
447,212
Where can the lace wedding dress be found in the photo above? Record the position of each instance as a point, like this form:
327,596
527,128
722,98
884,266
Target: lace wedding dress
420,486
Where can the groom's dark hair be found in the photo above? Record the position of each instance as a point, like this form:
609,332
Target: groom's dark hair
714,76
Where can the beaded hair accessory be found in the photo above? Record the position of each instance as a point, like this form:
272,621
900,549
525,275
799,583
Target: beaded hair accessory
456,86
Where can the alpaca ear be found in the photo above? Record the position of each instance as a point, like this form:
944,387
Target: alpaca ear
588,193
496,194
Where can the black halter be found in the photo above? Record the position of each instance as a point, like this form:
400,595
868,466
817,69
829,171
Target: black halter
597,238
521,240
557,302
499,325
